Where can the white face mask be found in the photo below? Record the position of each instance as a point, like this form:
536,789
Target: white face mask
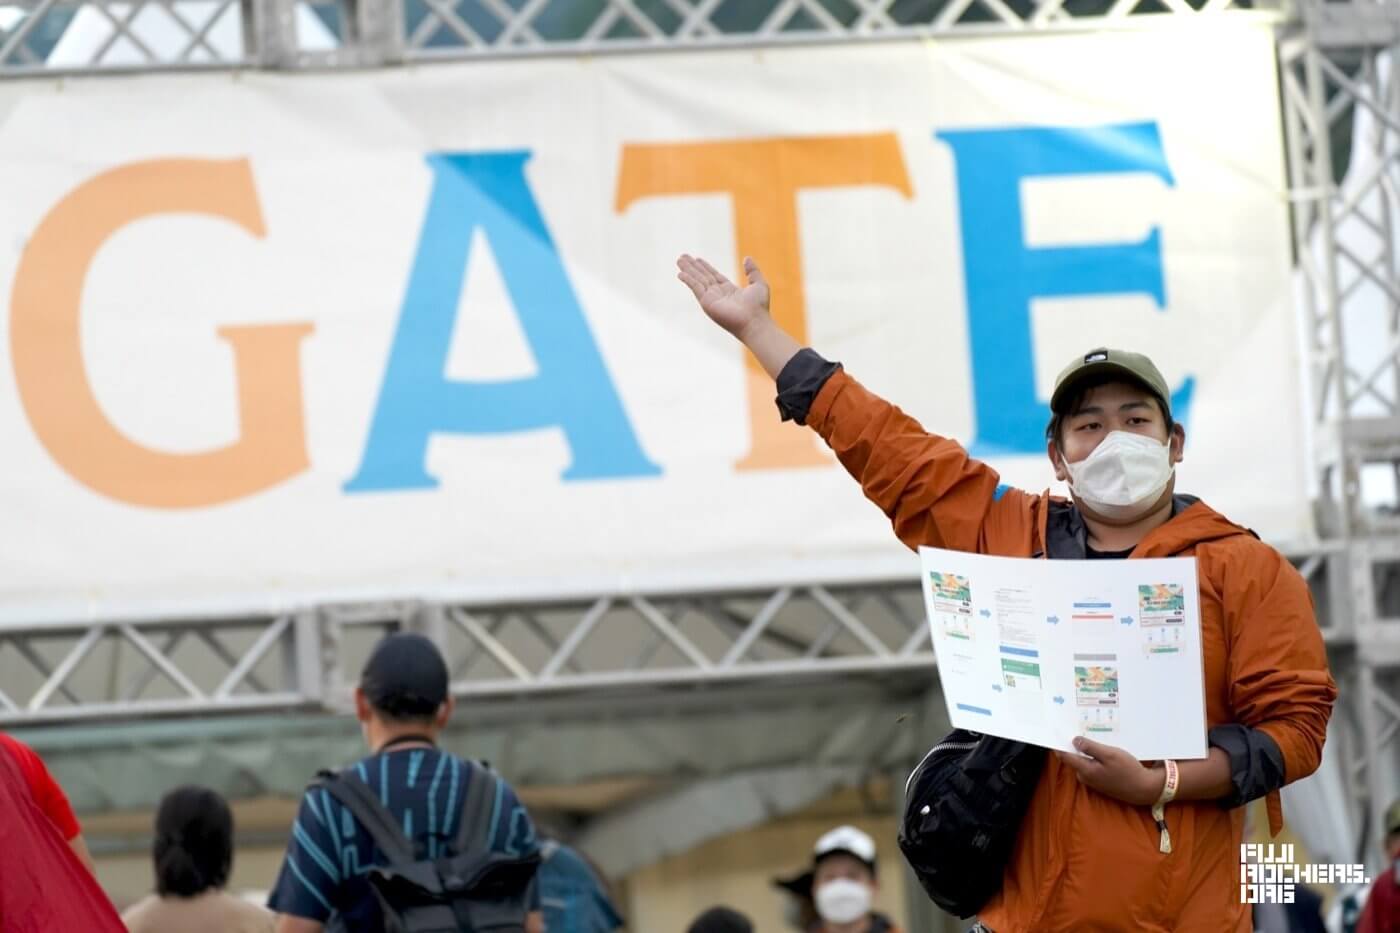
1124,476
842,900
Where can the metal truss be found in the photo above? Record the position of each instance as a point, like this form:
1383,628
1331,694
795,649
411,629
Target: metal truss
1341,96
626,642
140,669
311,660
84,36
444,28
624,646
57,36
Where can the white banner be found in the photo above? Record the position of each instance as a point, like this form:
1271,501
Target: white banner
276,340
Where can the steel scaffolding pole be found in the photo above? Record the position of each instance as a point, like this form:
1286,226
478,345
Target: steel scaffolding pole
1342,122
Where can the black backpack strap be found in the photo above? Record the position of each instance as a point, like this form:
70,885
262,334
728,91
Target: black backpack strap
474,835
355,795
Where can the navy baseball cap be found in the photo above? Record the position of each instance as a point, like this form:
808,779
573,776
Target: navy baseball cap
405,677
721,920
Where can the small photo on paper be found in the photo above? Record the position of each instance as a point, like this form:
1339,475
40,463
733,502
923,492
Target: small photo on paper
952,589
1161,604
952,604
1096,685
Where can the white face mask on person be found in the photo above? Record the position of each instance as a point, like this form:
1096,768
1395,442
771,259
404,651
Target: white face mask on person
843,900
1123,477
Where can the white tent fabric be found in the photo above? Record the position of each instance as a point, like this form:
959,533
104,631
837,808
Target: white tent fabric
1319,810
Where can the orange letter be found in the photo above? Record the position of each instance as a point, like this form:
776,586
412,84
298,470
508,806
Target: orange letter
762,178
48,361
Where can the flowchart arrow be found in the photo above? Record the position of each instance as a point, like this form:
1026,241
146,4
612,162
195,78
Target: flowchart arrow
1126,620
1060,700
985,613
1053,620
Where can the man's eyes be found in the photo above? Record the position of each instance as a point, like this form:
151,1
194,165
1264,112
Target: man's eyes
1133,421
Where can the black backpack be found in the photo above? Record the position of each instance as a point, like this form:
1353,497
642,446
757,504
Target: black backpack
471,890
963,807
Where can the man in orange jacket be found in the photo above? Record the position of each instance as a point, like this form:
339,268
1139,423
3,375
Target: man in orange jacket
1087,857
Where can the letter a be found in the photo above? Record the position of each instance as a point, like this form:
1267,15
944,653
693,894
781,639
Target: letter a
571,390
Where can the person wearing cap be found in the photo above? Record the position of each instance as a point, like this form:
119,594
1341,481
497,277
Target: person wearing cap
843,884
720,920
403,705
1381,913
1092,852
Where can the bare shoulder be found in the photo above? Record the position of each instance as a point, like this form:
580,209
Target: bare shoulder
248,917
137,916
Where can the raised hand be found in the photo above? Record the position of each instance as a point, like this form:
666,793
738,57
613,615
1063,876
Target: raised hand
731,307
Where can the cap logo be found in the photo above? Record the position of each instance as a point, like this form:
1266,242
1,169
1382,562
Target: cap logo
1096,357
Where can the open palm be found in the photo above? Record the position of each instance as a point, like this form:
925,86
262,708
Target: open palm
728,305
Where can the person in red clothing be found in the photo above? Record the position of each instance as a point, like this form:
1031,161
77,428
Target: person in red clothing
1382,911
44,888
48,795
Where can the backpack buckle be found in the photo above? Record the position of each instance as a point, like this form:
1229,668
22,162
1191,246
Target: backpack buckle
451,878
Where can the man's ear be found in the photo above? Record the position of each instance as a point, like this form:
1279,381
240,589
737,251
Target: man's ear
444,712
1057,462
1177,443
363,711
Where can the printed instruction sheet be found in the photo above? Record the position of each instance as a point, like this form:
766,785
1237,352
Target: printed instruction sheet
1042,651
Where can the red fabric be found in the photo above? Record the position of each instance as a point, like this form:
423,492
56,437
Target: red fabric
43,886
1382,911
47,794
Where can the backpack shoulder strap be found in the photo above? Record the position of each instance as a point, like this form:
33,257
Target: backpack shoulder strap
474,835
355,795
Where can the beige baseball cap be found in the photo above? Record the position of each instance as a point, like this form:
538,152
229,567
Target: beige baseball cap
1104,361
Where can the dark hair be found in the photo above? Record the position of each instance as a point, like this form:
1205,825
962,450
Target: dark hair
194,842
405,709
721,920
1052,429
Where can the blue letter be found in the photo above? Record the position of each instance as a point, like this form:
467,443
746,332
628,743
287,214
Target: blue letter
1003,274
571,391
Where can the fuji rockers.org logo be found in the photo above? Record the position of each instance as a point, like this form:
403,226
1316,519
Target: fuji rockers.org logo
1269,875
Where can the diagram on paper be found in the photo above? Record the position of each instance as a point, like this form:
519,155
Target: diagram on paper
1092,609
1045,651
1018,640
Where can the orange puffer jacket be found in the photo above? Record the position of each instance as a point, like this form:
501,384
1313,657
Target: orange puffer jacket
1083,861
